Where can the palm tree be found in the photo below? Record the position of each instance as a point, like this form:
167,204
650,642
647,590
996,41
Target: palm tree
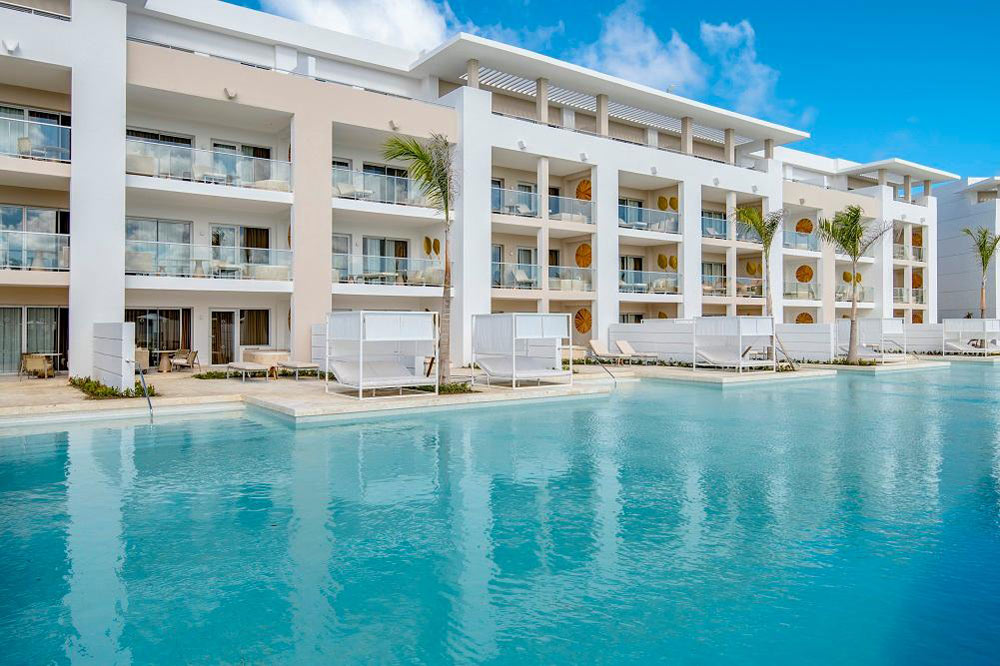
852,235
765,227
985,243
431,167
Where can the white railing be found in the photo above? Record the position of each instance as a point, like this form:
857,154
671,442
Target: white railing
34,140
802,290
714,285
571,278
917,296
568,209
648,219
796,240
514,202
900,295
865,294
375,269
206,261
36,251
714,227
744,233
648,282
515,276
161,160
898,251
750,287
917,253
348,184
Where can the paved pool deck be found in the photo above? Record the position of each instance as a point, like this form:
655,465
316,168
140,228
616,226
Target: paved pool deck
32,401
913,365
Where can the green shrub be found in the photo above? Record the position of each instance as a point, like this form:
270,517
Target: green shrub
450,388
210,374
95,390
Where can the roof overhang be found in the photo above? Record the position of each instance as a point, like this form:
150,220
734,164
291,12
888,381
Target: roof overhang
450,59
984,185
899,167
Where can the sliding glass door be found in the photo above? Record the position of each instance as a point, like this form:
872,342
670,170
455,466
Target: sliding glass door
10,340
33,330
163,330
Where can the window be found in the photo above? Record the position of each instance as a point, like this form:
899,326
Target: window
388,184
630,263
241,244
38,246
241,163
340,163
36,220
157,246
554,258
43,135
526,256
983,197
153,136
496,194
630,318
496,256
632,203
161,329
713,268
384,170
341,253
254,327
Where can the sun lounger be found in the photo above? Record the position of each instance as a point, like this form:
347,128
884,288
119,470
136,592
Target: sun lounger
246,369
601,353
507,368
298,366
628,350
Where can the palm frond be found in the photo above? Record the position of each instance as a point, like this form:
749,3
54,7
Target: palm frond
764,225
851,233
985,243
429,166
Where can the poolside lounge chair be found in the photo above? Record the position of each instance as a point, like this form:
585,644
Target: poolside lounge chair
628,350
730,357
247,369
374,374
185,359
599,352
507,368
298,366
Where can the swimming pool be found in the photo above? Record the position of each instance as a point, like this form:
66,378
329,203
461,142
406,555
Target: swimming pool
845,520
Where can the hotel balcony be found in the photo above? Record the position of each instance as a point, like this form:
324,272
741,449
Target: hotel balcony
571,278
182,260
378,188
747,235
34,140
714,227
515,276
213,167
807,291
518,203
648,219
568,209
749,287
900,295
648,282
26,250
899,251
917,253
714,285
379,270
917,296
796,240
865,294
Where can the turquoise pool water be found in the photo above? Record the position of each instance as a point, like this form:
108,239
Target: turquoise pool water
845,521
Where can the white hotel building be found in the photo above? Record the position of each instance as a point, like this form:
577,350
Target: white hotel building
214,174
968,203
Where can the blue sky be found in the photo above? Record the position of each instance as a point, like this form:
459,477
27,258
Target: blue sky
868,80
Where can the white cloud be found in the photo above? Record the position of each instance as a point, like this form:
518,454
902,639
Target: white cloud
409,24
750,85
629,48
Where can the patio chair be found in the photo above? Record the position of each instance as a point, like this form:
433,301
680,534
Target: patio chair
185,359
37,365
142,359
522,280
600,353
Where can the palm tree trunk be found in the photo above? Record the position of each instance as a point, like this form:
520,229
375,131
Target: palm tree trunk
444,353
852,346
982,298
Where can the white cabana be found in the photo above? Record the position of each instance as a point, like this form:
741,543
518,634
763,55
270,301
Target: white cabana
743,343
970,336
879,340
518,347
368,350
669,339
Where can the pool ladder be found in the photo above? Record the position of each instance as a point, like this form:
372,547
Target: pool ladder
145,392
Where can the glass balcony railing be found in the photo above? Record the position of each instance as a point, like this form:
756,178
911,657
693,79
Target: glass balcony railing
865,294
34,140
28,250
796,240
802,290
746,234
917,296
648,219
648,282
377,187
750,287
571,278
206,261
714,227
900,295
714,285
917,253
898,251
373,269
514,202
515,276
567,209
161,160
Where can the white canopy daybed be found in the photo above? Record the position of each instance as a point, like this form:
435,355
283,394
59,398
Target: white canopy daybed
368,350
743,343
970,336
518,347
879,340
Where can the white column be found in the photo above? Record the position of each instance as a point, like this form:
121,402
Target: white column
689,193
97,177
907,189
602,115
652,137
542,100
776,268
768,149
471,230
729,147
687,135
605,249
542,180
472,73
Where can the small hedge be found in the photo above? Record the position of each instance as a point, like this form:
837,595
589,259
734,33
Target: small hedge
98,391
210,374
449,388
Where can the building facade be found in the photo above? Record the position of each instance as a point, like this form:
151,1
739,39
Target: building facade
216,175
969,203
